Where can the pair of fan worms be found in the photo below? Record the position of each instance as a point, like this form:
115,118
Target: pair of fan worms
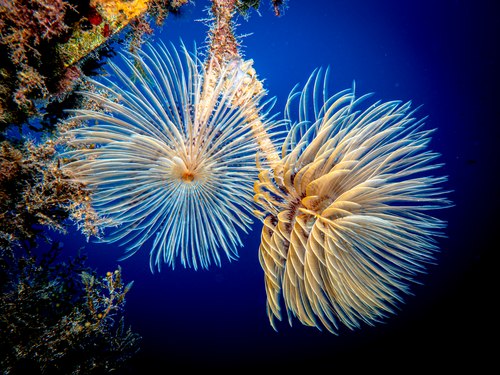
192,152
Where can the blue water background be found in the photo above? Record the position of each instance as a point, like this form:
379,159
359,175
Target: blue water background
438,54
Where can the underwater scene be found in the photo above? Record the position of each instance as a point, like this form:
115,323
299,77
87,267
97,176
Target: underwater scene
247,185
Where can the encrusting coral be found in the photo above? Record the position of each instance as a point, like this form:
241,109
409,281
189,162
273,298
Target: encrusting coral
52,44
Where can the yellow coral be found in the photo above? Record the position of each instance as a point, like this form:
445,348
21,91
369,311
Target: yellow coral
118,10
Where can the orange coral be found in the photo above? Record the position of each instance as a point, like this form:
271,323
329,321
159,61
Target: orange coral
120,11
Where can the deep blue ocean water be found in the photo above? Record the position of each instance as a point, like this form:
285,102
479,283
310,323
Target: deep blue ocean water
441,55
